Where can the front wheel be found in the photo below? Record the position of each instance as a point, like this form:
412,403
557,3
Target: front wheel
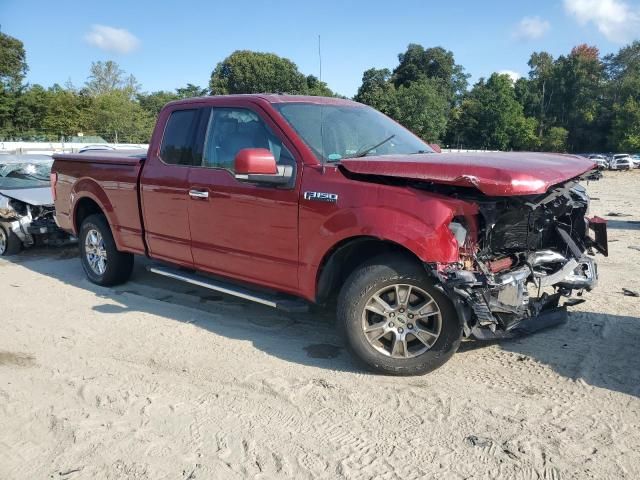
101,260
395,320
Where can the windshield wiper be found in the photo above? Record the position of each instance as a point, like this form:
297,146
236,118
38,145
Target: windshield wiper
362,152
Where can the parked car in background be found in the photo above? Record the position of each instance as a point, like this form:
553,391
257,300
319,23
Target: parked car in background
289,200
600,160
26,203
621,161
636,161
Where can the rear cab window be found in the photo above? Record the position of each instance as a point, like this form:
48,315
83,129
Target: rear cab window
179,142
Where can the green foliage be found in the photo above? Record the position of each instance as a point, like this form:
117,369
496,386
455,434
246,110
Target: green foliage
575,102
107,77
153,102
115,117
491,117
317,87
555,139
245,71
625,132
622,96
437,64
377,90
422,108
110,106
191,90
13,62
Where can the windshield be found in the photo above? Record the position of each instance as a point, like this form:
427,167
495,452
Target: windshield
25,174
335,132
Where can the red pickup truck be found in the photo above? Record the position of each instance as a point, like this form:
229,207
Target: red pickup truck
293,200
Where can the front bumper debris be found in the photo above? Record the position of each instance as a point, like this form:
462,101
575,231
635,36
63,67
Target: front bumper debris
600,242
495,300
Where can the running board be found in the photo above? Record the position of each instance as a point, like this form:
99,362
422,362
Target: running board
291,304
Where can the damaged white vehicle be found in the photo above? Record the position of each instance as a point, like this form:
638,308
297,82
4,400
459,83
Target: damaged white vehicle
26,204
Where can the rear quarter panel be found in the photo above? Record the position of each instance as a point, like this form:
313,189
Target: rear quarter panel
113,185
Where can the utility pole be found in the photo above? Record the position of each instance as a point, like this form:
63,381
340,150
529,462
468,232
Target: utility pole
320,57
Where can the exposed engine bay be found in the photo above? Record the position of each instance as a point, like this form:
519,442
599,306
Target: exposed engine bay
520,257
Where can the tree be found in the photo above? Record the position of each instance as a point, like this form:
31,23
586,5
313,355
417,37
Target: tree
106,77
418,63
317,87
421,108
536,94
13,63
492,118
622,97
153,102
578,106
555,140
376,90
66,112
115,117
191,90
625,132
567,93
245,71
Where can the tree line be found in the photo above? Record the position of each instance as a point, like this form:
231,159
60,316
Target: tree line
578,102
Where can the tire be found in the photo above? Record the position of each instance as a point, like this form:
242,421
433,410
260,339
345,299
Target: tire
10,244
101,260
389,277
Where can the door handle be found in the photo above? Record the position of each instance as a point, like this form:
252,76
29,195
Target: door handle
198,194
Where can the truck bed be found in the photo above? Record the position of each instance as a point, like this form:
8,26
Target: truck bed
93,174
121,157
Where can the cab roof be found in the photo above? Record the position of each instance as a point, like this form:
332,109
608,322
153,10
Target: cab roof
273,98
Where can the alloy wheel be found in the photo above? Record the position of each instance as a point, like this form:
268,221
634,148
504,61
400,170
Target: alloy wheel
401,321
95,251
3,241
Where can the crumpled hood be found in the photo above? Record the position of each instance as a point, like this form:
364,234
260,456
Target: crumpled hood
494,174
33,196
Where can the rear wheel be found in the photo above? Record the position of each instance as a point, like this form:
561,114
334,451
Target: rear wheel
395,320
101,260
10,244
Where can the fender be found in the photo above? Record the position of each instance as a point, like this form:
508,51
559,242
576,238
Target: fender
89,188
427,237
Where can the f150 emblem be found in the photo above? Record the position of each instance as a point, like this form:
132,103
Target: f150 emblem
321,196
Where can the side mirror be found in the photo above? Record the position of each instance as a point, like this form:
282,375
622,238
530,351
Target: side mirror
258,165
255,161
436,147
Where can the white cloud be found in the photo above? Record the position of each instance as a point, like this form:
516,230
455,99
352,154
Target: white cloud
531,28
617,20
512,74
112,39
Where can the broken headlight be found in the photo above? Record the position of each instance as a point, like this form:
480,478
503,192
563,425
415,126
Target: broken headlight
459,232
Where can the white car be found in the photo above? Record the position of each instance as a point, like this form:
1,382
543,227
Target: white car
621,161
600,161
636,161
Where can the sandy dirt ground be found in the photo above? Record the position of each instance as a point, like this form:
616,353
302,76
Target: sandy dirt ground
158,380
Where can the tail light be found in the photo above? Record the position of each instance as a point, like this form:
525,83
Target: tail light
53,178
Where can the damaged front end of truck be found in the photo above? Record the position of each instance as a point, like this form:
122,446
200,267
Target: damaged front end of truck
523,260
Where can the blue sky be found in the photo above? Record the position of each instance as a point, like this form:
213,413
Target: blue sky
167,44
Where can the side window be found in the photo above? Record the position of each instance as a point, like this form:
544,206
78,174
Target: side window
178,142
233,129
